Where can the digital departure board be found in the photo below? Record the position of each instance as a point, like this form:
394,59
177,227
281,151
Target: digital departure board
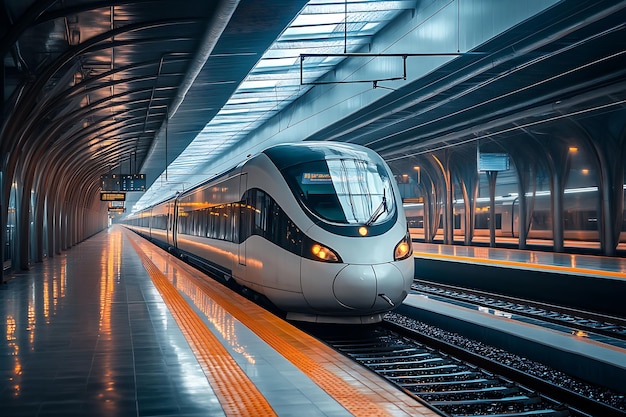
493,161
133,182
110,182
123,182
108,196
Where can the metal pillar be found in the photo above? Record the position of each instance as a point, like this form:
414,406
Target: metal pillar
491,176
556,188
448,223
3,224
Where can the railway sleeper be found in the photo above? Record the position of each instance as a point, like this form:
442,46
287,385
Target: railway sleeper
447,384
386,358
400,365
408,372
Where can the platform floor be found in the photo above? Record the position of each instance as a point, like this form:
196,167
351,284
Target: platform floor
565,263
117,327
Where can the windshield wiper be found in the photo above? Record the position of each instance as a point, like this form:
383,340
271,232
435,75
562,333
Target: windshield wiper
382,208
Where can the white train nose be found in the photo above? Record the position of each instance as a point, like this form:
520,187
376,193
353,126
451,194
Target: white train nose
367,286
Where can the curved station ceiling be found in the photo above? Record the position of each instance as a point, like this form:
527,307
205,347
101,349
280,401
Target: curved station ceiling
98,87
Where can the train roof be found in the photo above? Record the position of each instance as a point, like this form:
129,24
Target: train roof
287,154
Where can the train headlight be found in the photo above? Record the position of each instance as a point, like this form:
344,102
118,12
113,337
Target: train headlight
404,248
322,253
318,252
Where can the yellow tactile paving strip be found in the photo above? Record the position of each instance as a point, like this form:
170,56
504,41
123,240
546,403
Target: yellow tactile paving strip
236,392
522,265
361,392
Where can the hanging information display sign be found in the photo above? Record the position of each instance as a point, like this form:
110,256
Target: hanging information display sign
493,161
108,196
123,182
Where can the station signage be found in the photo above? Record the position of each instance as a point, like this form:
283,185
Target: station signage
123,182
133,182
493,162
109,196
116,209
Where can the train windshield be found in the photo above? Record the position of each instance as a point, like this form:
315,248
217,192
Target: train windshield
346,191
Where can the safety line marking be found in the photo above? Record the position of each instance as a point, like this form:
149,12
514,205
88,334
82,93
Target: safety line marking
280,336
311,356
237,394
522,265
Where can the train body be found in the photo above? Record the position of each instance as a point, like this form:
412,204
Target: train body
580,217
317,228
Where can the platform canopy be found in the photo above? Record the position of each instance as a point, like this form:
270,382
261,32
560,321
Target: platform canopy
95,87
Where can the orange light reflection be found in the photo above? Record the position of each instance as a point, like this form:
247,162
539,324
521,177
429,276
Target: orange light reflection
110,265
15,378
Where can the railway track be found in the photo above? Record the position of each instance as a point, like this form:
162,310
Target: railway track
450,385
580,322
456,381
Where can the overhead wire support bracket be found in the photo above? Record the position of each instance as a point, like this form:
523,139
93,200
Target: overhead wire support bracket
367,55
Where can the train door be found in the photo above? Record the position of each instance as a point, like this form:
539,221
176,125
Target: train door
244,220
171,222
175,223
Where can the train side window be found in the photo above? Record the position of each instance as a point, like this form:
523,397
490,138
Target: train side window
195,222
210,232
580,220
292,236
222,216
541,220
277,226
261,213
245,220
204,222
159,222
227,213
262,216
199,224
235,219
183,225
482,221
280,229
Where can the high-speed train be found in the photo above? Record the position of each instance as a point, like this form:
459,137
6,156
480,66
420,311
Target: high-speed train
580,216
316,227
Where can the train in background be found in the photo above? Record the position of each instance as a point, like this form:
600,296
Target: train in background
580,217
318,228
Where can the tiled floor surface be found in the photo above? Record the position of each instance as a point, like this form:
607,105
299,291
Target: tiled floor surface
87,334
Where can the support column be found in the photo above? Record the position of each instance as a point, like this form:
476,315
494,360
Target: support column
38,210
467,173
2,81
449,229
491,176
610,155
448,224
557,209
525,176
3,222
429,193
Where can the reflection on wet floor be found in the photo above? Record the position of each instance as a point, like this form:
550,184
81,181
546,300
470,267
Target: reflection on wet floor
88,334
